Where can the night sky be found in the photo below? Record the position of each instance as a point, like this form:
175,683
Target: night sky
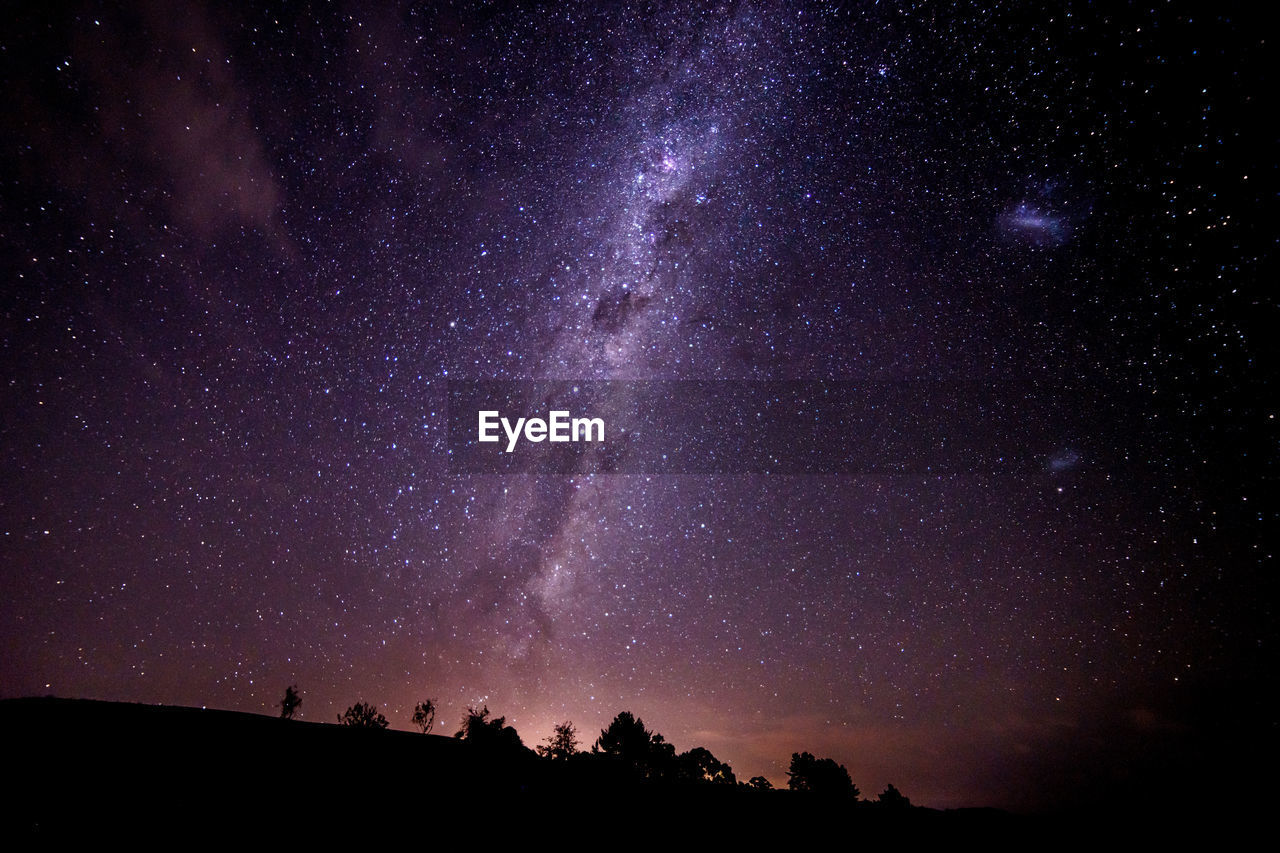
245,250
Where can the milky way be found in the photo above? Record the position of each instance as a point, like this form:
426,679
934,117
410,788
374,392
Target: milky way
247,250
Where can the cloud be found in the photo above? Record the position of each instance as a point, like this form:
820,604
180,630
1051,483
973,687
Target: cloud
144,124
170,110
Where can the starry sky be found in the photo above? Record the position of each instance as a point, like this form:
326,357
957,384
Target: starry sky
246,248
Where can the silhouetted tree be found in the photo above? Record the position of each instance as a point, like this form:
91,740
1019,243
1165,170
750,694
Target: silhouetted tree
626,738
893,798
291,702
699,765
629,741
662,757
562,743
424,715
822,776
362,716
487,732
760,783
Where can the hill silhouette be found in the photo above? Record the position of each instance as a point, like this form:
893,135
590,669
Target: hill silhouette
85,769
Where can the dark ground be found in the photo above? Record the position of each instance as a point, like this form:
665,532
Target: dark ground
85,770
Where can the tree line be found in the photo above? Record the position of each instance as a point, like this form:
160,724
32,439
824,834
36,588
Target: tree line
646,754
